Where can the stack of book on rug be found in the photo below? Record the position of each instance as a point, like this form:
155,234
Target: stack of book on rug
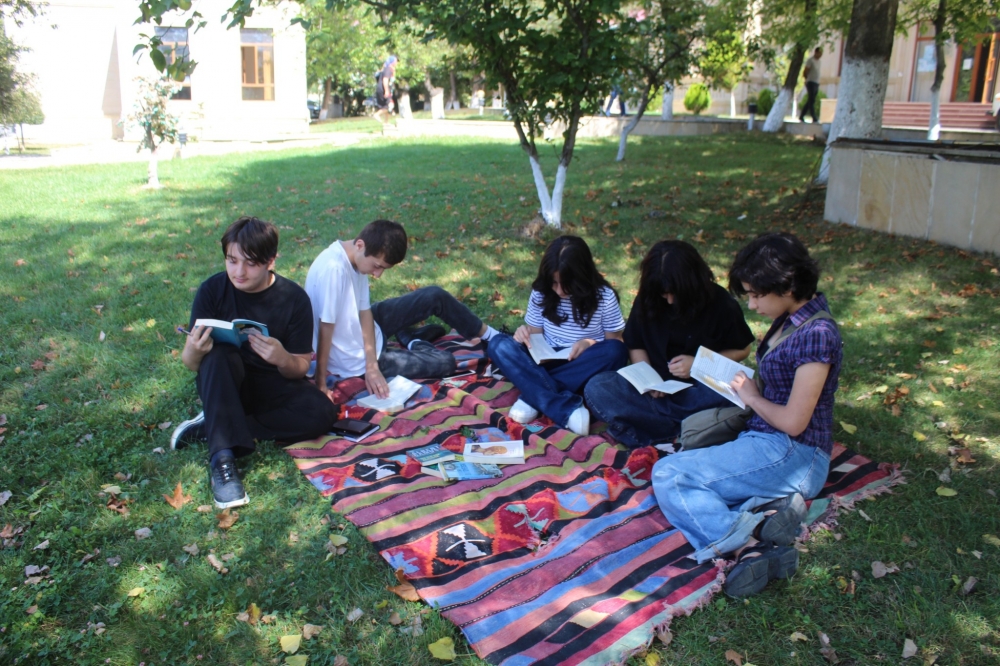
481,456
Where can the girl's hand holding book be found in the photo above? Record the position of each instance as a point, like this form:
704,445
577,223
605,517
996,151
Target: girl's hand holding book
580,346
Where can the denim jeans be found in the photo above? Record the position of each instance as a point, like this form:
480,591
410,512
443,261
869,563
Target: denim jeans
709,494
424,360
552,388
638,419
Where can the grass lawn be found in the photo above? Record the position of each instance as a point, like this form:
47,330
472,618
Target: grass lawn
97,272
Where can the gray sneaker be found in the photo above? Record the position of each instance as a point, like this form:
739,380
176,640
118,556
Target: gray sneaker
226,484
192,430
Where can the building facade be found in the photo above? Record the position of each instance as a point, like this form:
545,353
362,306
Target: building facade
249,84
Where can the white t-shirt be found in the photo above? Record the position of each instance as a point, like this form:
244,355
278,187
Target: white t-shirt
812,67
338,293
606,319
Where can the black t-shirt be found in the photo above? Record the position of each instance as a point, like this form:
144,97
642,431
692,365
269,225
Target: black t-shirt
284,307
719,326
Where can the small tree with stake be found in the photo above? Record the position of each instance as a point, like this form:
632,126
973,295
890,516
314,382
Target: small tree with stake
158,125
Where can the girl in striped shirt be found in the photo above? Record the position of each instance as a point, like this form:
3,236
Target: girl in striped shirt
573,306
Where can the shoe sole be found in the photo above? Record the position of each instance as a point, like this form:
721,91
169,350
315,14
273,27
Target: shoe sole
782,527
178,433
234,503
751,576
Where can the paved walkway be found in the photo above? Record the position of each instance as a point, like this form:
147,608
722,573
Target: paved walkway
108,152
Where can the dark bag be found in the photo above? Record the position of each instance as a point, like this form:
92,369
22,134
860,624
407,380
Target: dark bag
724,424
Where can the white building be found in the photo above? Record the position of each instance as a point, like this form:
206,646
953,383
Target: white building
250,82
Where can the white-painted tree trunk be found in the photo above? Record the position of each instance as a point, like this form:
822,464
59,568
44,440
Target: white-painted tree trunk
667,113
405,111
153,181
623,139
732,103
776,116
934,130
859,104
551,205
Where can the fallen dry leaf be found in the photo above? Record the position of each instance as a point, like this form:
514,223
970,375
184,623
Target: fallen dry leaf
214,561
290,643
311,630
136,591
42,546
191,550
164,425
909,649
355,615
31,610
341,660
965,457
143,533
879,569
665,635
297,660
735,657
443,648
798,636
227,518
652,659
945,491
969,585
405,588
178,499
204,508
395,620
848,428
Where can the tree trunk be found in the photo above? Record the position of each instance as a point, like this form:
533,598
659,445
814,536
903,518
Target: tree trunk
153,181
453,92
630,125
934,127
667,113
405,111
776,117
324,107
865,75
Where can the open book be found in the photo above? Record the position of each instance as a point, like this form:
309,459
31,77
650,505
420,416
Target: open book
642,376
234,332
717,372
401,389
541,350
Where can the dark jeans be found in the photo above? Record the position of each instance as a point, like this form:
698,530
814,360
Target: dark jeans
638,419
243,403
553,387
424,361
812,89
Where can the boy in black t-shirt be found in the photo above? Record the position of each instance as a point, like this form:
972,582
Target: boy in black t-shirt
257,391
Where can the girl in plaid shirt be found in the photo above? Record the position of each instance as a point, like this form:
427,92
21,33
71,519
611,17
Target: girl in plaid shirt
747,497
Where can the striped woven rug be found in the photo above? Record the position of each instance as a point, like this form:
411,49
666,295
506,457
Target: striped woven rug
565,560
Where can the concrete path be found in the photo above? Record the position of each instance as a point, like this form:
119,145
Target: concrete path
109,152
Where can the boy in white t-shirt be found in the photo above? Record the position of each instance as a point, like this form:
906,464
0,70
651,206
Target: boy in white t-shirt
350,331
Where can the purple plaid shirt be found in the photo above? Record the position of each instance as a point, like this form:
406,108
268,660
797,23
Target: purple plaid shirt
819,342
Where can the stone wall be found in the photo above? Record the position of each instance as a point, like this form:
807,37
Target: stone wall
948,194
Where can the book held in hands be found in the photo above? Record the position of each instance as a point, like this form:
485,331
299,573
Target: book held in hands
642,376
541,350
717,373
234,332
401,389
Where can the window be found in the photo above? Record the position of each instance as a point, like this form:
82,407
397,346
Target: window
257,53
174,44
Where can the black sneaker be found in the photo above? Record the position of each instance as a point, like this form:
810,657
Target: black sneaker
428,333
782,526
758,566
226,484
192,430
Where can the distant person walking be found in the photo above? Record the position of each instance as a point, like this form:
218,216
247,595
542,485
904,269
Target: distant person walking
811,74
383,89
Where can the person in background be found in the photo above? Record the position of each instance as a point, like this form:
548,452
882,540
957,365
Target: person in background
811,74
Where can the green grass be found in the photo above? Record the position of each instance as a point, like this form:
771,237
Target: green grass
102,254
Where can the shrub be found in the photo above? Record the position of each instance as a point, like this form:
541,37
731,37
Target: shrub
697,98
765,100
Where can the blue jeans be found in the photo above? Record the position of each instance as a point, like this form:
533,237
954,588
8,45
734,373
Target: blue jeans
709,494
552,388
638,419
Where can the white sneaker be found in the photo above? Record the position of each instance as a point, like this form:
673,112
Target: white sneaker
579,421
522,412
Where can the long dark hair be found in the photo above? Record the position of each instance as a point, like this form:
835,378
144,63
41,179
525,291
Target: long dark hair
578,276
675,267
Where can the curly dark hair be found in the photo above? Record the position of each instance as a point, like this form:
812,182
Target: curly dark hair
578,276
674,267
775,263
